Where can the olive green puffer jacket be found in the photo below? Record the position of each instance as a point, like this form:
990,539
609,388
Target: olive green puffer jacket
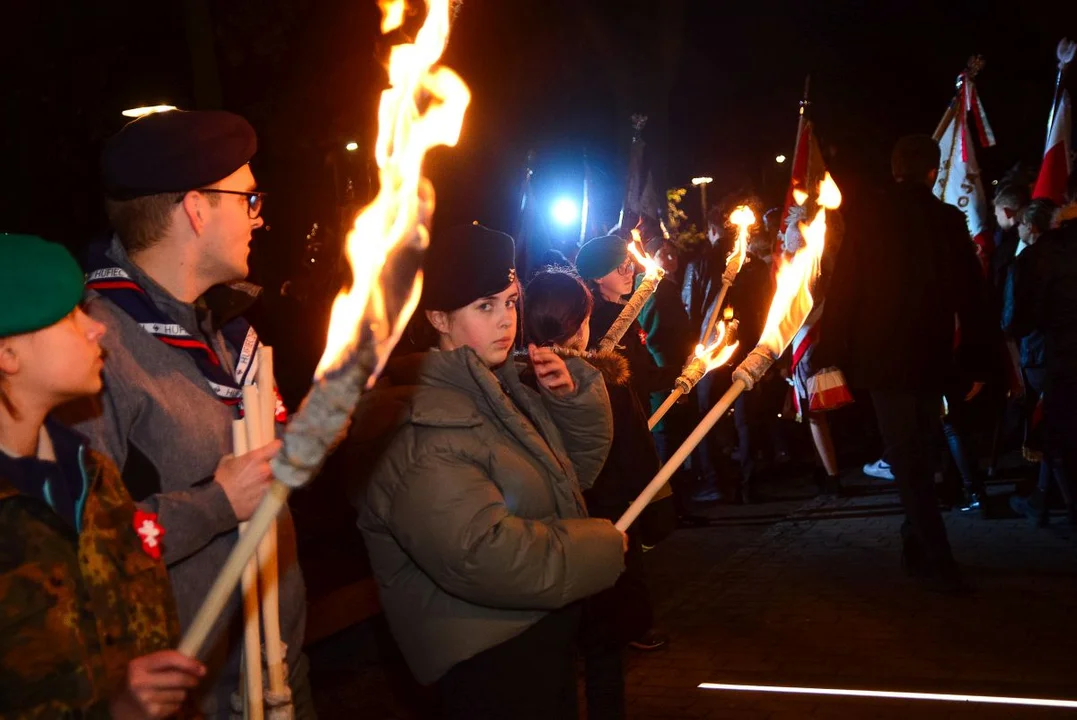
471,511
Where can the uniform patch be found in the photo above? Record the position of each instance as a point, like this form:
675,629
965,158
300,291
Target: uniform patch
149,532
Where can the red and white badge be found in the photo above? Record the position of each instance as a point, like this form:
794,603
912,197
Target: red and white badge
149,532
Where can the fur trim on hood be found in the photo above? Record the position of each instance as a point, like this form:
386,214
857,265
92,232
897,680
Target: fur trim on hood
1066,213
612,365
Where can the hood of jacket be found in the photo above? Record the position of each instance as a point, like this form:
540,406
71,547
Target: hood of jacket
611,364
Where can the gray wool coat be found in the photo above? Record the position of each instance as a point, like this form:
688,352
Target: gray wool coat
472,512
158,418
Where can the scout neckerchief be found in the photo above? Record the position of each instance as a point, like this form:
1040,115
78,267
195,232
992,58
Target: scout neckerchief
116,284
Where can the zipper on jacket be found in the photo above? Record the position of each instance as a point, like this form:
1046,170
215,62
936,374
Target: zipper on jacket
80,506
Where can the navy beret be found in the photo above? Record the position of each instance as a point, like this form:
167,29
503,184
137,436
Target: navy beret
175,151
465,263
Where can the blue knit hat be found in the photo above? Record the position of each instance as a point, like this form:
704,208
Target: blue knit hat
600,256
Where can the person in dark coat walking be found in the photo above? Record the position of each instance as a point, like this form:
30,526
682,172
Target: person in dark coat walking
1035,220
1046,301
899,284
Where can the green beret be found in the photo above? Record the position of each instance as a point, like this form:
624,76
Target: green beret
40,283
600,256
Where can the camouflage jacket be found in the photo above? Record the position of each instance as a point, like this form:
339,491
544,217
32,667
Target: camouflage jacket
76,608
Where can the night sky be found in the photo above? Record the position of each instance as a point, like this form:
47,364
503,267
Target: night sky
719,81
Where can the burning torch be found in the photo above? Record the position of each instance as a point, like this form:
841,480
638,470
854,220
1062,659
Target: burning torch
705,360
743,217
423,107
653,275
790,308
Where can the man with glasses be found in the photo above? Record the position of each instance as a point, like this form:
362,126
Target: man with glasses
183,203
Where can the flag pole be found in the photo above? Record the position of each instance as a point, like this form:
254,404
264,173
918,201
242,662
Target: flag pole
634,178
585,209
947,118
805,103
972,69
802,118
1065,52
523,233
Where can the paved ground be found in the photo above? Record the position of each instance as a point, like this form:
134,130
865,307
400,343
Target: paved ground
803,591
819,600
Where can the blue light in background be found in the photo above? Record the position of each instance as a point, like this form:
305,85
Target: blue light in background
565,211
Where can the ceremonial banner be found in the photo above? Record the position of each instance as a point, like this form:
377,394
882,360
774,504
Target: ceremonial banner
959,182
809,167
1055,171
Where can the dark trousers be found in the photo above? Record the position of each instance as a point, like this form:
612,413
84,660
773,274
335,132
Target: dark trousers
908,423
706,457
701,476
746,418
611,619
962,425
529,677
1060,437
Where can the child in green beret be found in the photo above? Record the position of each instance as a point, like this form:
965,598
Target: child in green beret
86,612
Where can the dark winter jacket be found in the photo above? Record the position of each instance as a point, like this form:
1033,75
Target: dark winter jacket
750,297
1046,296
901,278
472,512
632,460
1032,347
646,376
703,282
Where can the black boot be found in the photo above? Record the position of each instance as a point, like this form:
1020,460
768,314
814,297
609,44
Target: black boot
973,499
829,485
1034,508
747,497
833,486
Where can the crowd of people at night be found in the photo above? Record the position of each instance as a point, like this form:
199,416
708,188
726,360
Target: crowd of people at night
501,442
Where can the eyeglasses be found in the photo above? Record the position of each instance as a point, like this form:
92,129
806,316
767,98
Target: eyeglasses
627,266
254,199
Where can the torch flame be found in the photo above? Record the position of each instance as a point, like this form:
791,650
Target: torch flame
799,196
829,194
743,217
718,353
650,267
392,15
792,299
423,107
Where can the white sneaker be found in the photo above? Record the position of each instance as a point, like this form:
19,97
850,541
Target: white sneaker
879,469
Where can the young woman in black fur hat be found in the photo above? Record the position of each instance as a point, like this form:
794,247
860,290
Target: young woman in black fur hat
472,514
